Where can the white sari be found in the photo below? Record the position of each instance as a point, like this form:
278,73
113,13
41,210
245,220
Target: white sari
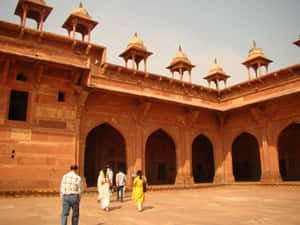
103,190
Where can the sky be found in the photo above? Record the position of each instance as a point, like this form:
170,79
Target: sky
221,29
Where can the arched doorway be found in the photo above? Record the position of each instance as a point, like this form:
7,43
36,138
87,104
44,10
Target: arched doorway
104,146
289,152
245,158
160,159
203,160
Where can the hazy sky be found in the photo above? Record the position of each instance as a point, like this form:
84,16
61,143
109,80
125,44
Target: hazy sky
224,29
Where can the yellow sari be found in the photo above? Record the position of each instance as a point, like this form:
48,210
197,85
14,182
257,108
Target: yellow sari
138,193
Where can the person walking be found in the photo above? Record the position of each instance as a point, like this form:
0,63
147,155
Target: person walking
99,185
139,183
110,175
104,186
70,192
120,183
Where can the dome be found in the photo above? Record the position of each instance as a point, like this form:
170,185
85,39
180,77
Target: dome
81,11
136,41
180,56
216,68
255,52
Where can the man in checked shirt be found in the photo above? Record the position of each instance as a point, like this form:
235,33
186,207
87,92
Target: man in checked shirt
70,192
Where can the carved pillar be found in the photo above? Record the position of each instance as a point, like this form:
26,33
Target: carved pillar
219,156
23,19
145,64
259,68
79,145
74,30
249,73
180,73
269,156
133,61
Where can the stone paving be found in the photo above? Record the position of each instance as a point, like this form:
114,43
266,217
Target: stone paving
225,205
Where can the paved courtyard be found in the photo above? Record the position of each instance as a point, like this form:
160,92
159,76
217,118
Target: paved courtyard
205,206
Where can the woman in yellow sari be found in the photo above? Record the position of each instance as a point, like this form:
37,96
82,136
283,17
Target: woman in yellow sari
138,191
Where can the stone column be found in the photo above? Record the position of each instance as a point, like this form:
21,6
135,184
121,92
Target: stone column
145,64
259,68
270,172
228,169
133,61
40,27
23,19
180,180
74,29
249,73
180,73
218,150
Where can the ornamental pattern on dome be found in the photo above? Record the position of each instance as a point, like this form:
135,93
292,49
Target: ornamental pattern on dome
81,11
255,52
136,42
180,56
216,68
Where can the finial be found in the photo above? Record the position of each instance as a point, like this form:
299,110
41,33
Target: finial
254,44
80,5
135,34
180,48
216,61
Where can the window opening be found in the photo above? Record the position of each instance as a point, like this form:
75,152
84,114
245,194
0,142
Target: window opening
61,97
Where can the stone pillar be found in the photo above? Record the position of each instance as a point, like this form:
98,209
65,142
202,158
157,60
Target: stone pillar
218,150
74,29
259,68
40,27
180,73
217,84
184,158
133,61
249,73
270,172
190,76
145,64
89,34
228,169
23,19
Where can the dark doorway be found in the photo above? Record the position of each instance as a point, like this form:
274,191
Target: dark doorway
245,158
18,105
160,159
203,160
289,153
104,146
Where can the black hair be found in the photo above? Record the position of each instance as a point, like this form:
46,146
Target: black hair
73,167
105,171
139,173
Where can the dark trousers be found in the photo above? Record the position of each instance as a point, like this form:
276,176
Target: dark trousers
120,193
70,201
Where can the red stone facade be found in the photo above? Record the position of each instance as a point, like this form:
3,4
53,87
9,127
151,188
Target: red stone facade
62,103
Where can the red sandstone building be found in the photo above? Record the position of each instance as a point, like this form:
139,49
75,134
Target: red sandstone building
63,103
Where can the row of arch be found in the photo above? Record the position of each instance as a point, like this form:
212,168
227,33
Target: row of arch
105,145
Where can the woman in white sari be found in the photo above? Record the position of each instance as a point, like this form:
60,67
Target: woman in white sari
103,189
